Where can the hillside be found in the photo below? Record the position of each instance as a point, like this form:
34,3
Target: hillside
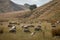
9,6
14,15
53,13
17,7
49,11
40,18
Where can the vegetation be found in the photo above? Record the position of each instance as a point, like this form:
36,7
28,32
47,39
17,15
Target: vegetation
32,7
1,10
47,12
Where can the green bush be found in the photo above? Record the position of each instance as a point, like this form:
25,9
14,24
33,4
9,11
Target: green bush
32,7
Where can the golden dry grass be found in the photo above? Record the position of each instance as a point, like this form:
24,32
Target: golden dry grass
20,35
33,17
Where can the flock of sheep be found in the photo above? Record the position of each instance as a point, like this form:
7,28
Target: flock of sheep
38,28
25,28
12,28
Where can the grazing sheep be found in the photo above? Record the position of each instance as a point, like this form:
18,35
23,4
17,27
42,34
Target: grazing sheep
9,25
1,31
33,33
13,29
55,32
26,30
58,22
13,22
53,26
38,28
25,26
31,26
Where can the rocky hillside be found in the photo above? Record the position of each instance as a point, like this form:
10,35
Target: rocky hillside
48,12
4,6
53,12
8,6
17,7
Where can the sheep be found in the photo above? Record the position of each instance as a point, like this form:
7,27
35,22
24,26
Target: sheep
27,30
25,26
30,25
32,33
13,22
9,25
58,22
13,29
1,31
37,28
55,32
53,26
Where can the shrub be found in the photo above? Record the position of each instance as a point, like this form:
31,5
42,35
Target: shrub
32,7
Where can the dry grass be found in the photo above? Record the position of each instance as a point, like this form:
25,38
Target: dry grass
20,35
32,17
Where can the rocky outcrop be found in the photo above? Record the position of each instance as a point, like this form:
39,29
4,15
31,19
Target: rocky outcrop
9,6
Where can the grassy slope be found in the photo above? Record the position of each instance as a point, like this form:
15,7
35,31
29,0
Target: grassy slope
49,12
45,12
20,35
17,15
52,14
